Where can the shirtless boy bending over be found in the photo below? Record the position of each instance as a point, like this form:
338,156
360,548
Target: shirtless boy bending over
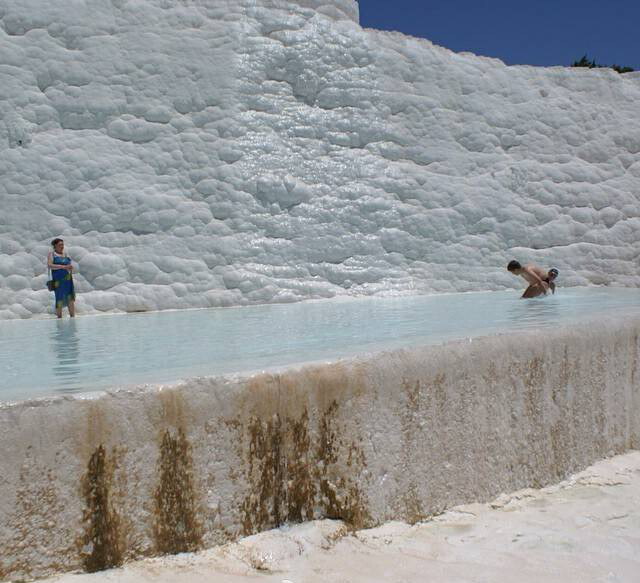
540,281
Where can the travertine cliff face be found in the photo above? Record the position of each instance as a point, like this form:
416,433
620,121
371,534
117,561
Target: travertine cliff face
218,152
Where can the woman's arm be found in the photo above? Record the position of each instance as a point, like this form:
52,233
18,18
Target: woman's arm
50,263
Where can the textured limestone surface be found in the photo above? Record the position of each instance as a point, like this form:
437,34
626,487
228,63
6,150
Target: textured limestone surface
90,482
586,528
223,152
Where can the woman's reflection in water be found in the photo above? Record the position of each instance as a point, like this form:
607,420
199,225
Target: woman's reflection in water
66,347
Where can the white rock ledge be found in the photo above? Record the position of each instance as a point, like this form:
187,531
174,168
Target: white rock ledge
87,483
582,529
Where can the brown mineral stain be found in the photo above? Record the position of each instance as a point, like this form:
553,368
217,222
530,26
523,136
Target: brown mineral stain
440,392
101,545
302,489
262,396
96,431
409,504
293,474
411,390
340,496
177,528
174,410
335,383
262,509
327,445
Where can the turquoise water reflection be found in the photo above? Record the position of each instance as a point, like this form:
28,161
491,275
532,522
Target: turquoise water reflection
45,357
66,344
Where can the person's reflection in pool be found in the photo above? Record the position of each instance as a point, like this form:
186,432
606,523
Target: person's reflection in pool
66,347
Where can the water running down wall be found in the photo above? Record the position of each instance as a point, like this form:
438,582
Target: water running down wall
227,152
90,482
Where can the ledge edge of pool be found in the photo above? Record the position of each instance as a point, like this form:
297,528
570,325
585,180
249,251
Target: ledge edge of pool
89,483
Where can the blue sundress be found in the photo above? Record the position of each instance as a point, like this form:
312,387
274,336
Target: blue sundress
63,282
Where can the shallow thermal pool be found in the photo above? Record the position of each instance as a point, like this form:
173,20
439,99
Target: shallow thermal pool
48,357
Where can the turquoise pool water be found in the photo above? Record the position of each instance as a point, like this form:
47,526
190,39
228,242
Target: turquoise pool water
48,357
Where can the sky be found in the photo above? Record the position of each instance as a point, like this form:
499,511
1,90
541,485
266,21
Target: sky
532,32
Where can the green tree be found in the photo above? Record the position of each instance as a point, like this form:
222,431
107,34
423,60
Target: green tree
585,62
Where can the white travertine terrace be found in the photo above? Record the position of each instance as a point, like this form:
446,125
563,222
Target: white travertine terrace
200,153
583,529
223,152
90,482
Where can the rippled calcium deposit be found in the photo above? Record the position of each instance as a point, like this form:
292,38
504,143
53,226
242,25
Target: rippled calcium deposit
230,152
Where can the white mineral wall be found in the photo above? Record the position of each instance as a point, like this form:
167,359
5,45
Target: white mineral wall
224,152
86,483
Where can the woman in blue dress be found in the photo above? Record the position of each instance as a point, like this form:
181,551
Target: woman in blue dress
61,270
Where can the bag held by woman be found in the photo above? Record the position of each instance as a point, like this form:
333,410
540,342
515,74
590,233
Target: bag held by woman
51,284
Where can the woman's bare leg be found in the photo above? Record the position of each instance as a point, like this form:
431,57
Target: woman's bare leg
72,308
59,311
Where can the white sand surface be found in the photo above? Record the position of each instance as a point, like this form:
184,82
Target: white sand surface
585,529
